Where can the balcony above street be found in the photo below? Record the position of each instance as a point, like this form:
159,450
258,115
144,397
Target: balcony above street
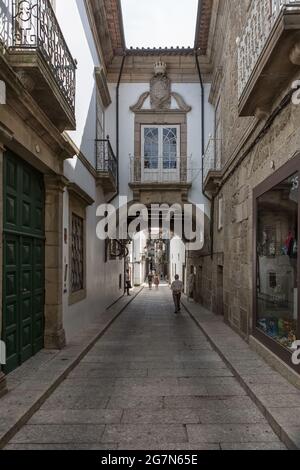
106,166
160,178
268,54
37,51
212,168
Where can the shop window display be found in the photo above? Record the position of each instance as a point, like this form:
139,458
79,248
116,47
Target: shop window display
277,253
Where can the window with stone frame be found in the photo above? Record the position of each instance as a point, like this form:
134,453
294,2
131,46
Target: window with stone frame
78,203
77,254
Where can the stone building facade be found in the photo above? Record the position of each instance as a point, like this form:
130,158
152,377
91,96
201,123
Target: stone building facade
156,90
235,93
253,53
57,166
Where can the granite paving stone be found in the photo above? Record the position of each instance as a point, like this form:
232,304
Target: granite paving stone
69,446
145,434
153,382
206,403
253,446
98,416
59,434
243,433
187,373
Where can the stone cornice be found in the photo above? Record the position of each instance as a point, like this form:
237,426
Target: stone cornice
114,17
82,158
105,18
80,194
213,30
87,164
203,25
55,182
6,135
102,86
24,105
139,69
91,17
160,51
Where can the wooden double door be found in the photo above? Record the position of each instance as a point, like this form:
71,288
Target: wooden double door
23,261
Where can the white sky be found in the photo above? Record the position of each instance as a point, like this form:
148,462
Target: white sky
159,23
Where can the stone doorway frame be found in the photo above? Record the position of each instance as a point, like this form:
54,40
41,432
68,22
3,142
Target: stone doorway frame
54,334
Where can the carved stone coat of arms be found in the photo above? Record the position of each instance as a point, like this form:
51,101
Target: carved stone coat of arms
160,92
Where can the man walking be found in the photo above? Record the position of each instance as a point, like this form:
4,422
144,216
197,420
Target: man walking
150,280
177,288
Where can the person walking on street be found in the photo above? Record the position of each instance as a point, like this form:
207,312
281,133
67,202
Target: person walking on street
128,281
177,288
156,281
150,280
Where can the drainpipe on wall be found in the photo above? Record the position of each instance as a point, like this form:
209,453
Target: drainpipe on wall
210,199
118,126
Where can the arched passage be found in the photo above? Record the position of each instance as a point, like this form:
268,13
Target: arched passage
159,238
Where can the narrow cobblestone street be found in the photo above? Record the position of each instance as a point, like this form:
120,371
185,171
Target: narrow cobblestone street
152,381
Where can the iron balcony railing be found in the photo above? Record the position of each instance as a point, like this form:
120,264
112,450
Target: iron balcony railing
31,25
262,18
212,157
161,170
106,161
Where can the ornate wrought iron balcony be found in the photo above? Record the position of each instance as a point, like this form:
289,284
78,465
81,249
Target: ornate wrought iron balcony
268,53
212,164
37,50
162,180
161,170
106,165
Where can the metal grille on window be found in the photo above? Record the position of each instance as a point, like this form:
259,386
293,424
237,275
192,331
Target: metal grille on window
77,274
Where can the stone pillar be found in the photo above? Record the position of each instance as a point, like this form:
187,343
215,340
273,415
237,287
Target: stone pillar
3,388
54,331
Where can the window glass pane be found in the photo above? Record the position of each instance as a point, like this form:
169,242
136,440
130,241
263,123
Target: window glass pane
170,148
277,252
151,148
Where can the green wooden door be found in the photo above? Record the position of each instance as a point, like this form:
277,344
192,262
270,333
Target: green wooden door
23,261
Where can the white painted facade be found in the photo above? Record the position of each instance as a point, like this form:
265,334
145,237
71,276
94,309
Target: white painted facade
138,259
177,259
129,94
102,278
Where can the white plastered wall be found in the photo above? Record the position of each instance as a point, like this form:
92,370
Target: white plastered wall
102,279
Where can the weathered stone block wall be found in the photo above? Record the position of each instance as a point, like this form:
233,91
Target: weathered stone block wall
278,144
